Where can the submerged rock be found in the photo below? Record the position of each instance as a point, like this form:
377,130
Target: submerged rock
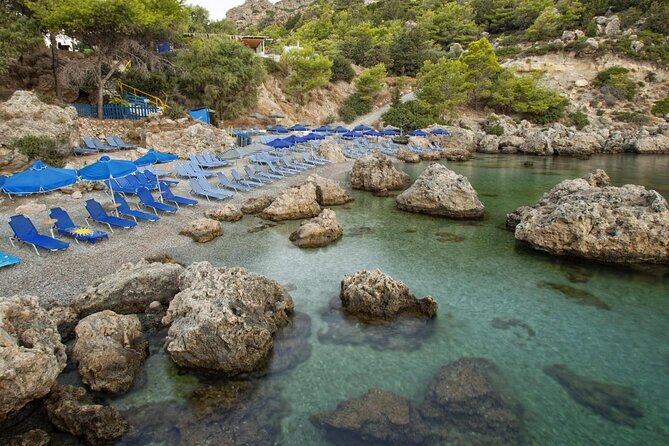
291,344
35,437
31,353
294,204
131,289
505,324
329,192
317,232
255,205
440,191
580,218
202,230
72,410
612,401
375,296
109,351
579,296
375,173
227,212
224,318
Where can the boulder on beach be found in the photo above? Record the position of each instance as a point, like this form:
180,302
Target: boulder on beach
430,156
31,353
255,205
131,289
587,218
440,191
455,154
403,154
375,173
375,296
202,230
224,318
329,192
71,409
109,351
294,204
319,231
331,151
227,212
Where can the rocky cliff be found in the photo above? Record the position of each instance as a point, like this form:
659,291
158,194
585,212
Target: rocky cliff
264,12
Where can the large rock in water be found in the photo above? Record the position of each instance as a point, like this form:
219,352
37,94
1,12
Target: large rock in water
109,351
587,218
131,289
294,204
31,353
72,410
375,296
329,192
25,115
376,173
440,191
224,318
319,231
202,230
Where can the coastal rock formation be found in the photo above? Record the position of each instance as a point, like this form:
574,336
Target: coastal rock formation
202,230
25,115
626,224
72,410
109,351
430,156
183,136
256,12
657,143
31,353
35,437
224,318
452,154
459,138
440,191
489,144
319,231
329,192
331,151
403,154
255,205
294,204
376,173
375,296
131,289
227,212
614,402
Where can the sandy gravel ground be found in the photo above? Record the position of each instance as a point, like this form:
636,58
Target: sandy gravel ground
61,275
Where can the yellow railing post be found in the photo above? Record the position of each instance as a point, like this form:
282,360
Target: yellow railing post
155,100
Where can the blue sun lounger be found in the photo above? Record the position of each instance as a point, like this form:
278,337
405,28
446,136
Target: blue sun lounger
168,195
65,226
250,183
25,231
124,209
199,188
97,213
118,142
225,182
7,260
250,174
147,200
256,169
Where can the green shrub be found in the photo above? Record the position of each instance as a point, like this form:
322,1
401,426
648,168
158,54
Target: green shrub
655,47
579,120
175,111
354,106
492,126
651,77
632,117
507,52
342,69
616,82
410,115
271,66
661,107
40,147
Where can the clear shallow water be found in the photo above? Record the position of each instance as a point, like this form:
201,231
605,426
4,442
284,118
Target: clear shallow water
477,273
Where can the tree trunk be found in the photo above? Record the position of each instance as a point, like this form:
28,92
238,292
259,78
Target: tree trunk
55,66
101,87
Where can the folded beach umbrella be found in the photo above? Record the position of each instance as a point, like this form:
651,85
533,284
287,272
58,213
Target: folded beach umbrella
295,139
107,169
341,129
362,128
154,156
440,132
39,178
418,133
298,128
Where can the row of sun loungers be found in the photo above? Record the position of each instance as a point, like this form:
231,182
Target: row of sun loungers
94,145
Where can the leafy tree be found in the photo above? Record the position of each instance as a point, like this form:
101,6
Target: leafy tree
199,19
483,69
341,69
566,14
223,74
18,33
443,85
451,22
117,30
371,82
410,50
410,115
500,16
307,71
354,106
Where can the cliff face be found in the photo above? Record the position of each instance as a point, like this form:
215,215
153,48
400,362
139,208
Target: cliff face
264,12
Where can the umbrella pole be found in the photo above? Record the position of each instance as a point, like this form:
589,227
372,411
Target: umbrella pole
111,191
160,192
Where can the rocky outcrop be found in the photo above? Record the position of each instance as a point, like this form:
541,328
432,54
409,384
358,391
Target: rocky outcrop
224,318
650,143
376,173
109,351
35,437
202,230
579,218
294,204
317,232
255,205
331,151
183,136
451,154
131,289
227,212
459,138
375,296
329,192
31,353
264,12
440,191
72,410
489,144
403,154
25,115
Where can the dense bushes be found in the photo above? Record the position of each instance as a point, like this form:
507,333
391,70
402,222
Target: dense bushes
342,69
579,120
661,107
367,86
40,147
353,107
615,81
308,71
410,115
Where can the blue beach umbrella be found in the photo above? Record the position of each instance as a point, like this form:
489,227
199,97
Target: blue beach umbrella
440,132
324,129
418,133
39,178
341,129
154,156
277,129
389,132
107,169
362,128
372,133
298,128
279,144
313,137
352,135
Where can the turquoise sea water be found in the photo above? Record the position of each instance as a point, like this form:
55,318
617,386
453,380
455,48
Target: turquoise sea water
477,273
